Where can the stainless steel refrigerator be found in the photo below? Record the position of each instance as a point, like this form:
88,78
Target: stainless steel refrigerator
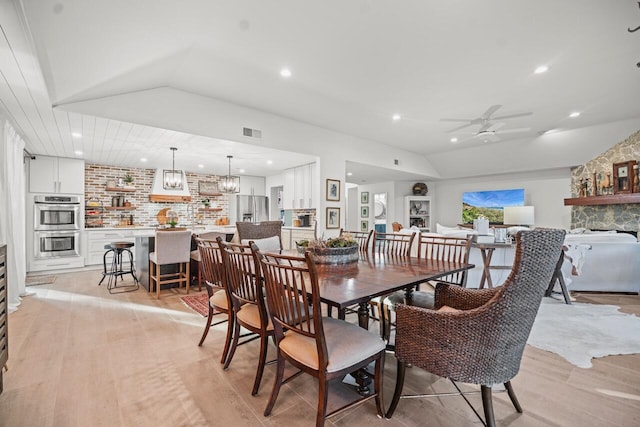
249,208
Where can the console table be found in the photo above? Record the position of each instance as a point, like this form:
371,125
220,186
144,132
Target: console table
486,249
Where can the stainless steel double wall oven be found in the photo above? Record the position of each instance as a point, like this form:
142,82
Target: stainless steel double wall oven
57,223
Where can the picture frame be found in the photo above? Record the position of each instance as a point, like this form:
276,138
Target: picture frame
364,225
364,198
208,188
333,190
364,211
623,177
333,218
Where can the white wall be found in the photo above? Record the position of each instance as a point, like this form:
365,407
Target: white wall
546,190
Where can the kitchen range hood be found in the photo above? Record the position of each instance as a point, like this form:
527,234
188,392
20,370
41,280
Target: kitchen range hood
161,193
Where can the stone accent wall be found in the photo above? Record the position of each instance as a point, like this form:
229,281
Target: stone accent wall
145,212
606,217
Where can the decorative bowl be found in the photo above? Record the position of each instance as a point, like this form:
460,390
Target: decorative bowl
332,255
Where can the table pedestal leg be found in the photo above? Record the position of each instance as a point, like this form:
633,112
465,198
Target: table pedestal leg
361,376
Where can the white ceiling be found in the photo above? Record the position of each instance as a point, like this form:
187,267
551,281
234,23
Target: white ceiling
354,65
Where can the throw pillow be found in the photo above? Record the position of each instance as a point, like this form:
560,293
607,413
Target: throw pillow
268,244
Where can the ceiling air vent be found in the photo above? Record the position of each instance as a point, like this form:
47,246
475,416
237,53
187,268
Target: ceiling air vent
253,133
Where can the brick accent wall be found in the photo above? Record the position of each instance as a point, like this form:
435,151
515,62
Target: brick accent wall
145,212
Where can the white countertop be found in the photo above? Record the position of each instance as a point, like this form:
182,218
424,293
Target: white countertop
297,228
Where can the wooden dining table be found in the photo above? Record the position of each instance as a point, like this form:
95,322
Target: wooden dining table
376,275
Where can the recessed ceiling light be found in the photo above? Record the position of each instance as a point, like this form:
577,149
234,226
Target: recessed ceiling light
269,162
454,139
76,134
349,174
241,170
396,117
143,159
285,72
574,114
200,166
541,69
78,153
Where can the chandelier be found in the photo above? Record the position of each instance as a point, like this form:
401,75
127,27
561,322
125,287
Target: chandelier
173,178
229,183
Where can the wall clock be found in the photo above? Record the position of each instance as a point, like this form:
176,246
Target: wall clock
623,177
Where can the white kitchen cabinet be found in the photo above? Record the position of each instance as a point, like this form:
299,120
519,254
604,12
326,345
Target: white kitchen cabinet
252,185
299,187
285,236
417,212
97,239
288,192
56,175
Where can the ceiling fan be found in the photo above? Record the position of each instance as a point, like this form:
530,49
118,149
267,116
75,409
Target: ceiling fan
485,120
489,133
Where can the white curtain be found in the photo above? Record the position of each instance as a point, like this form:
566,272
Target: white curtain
12,213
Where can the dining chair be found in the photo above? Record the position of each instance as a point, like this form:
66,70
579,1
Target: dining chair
266,234
363,238
393,243
323,347
219,303
196,258
478,335
171,247
446,249
244,284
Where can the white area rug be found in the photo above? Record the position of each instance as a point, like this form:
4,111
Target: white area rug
579,332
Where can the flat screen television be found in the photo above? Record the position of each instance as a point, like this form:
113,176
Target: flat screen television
490,204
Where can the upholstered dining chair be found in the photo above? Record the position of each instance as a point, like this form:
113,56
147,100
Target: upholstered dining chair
244,285
212,275
196,258
478,335
266,234
323,347
171,247
363,238
447,249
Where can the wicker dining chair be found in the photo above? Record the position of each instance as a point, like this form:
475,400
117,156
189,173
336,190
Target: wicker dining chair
244,285
478,335
212,275
451,249
261,233
323,347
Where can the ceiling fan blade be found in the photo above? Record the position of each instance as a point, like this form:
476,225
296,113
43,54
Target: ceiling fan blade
515,130
510,116
487,114
456,120
495,126
459,127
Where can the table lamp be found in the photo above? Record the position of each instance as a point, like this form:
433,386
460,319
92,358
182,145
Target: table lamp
519,215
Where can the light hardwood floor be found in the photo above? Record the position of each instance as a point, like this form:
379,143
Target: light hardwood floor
82,357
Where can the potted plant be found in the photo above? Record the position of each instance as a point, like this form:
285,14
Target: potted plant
337,250
206,203
128,179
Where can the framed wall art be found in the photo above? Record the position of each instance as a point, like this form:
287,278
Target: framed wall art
364,225
364,198
333,190
333,218
364,211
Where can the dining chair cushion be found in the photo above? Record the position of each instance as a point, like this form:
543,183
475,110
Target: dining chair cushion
250,315
219,299
268,244
347,344
195,255
420,299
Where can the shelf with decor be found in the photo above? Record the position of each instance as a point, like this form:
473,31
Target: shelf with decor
93,213
121,189
209,209
418,212
120,208
614,199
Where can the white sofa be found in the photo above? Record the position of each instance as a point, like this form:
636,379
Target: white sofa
611,264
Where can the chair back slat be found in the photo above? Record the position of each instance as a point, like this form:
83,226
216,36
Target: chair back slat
210,264
451,249
362,237
290,283
393,243
242,279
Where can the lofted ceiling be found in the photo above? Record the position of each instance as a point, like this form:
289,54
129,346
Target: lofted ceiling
354,65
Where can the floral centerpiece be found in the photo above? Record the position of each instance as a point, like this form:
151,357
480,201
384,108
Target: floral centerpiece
337,250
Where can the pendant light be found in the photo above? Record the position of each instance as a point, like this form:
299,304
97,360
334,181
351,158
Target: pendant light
229,184
173,179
